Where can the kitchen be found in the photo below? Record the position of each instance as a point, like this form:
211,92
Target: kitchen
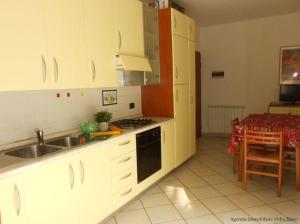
63,87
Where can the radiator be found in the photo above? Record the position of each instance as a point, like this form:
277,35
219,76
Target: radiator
220,117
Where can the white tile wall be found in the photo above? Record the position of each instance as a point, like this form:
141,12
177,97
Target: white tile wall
22,112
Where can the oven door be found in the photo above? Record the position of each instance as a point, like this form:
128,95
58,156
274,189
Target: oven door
148,153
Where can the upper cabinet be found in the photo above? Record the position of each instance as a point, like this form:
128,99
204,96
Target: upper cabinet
179,23
66,43
151,36
23,62
129,27
192,29
100,39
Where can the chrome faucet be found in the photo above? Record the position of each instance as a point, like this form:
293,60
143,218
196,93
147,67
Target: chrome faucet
40,136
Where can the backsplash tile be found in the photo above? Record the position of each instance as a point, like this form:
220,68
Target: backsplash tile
22,112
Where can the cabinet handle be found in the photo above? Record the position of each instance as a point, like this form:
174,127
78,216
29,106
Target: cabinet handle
44,66
82,172
17,200
176,72
122,178
127,192
55,69
125,160
124,143
177,96
93,70
71,174
164,136
120,40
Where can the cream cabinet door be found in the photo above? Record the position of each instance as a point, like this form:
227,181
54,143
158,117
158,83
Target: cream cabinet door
179,23
22,47
180,60
129,27
50,193
191,29
101,40
66,43
12,200
94,197
181,109
192,95
168,147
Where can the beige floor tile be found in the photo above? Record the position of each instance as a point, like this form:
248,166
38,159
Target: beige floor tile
269,196
175,222
203,171
228,188
130,217
163,214
180,195
135,205
237,217
220,204
207,219
205,192
215,179
297,201
192,209
110,221
263,212
192,180
245,200
290,191
288,208
170,185
152,200
154,190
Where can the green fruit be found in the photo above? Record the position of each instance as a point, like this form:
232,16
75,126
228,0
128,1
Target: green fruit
89,127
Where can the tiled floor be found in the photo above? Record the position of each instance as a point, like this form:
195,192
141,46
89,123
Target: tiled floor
205,190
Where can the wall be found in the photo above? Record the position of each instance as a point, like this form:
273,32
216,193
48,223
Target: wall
248,52
22,112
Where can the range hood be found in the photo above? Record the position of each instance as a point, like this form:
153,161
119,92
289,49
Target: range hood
132,63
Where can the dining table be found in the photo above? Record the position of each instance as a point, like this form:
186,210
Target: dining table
288,124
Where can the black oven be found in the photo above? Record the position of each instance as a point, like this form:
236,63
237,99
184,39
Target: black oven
148,144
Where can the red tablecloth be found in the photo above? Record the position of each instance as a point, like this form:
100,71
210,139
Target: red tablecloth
288,124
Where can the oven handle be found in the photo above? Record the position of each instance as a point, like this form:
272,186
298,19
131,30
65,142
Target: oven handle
149,144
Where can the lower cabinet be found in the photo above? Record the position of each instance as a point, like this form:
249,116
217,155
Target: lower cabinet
181,107
69,191
168,147
294,110
12,200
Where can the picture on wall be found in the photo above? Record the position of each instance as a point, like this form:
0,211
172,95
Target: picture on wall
109,97
290,65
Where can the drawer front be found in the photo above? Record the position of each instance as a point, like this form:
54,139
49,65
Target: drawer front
123,195
124,178
123,145
123,162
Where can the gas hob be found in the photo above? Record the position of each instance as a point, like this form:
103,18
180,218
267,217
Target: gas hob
132,123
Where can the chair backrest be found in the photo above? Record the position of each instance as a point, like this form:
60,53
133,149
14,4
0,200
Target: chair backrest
262,137
235,122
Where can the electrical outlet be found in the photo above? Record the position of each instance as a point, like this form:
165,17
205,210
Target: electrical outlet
131,105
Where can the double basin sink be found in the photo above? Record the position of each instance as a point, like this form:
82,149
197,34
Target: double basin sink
51,146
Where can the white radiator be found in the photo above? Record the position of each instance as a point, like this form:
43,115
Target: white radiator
220,117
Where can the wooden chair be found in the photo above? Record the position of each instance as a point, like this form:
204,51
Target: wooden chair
259,155
235,163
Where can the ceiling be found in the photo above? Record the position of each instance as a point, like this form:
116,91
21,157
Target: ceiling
213,12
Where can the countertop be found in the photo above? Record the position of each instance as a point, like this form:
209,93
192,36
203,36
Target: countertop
10,165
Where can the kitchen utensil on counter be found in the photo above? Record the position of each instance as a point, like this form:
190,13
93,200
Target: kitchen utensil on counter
112,130
89,127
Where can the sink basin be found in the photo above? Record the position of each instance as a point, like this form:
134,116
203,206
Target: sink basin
33,151
66,142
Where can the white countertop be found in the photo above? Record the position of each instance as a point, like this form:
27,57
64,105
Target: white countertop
9,165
